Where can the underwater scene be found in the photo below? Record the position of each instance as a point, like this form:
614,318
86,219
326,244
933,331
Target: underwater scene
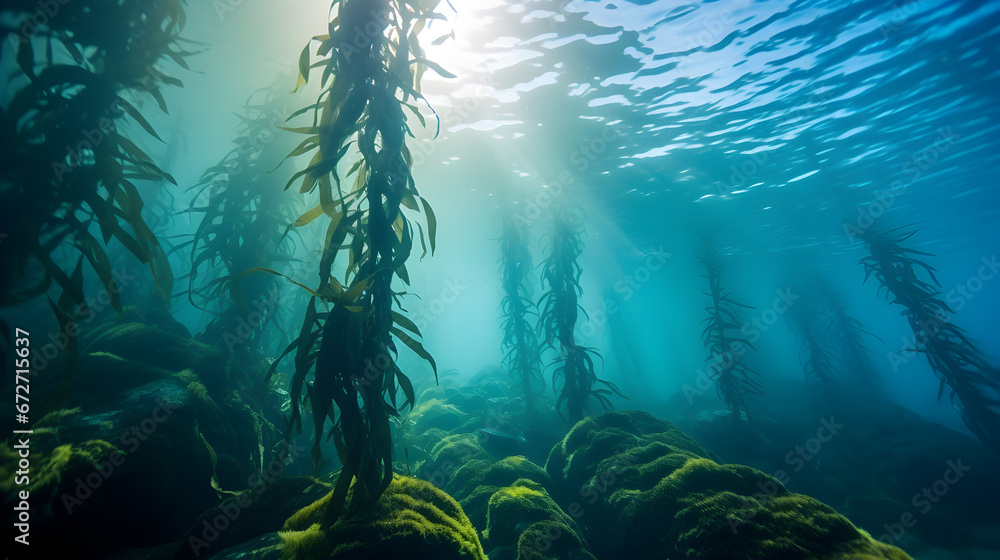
500,279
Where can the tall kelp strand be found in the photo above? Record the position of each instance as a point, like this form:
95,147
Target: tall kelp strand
734,381
244,216
66,165
367,82
520,340
851,340
561,271
820,366
837,364
912,284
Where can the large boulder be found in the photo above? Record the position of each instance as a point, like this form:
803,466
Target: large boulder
642,489
524,523
412,519
141,466
478,479
250,515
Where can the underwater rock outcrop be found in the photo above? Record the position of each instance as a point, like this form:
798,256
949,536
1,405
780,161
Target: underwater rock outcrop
447,456
642,489
505,497
482,418
475,482
150,415
250,515
148,344
96,468
869,464
439,433
142,346
411,519
441,414
524,523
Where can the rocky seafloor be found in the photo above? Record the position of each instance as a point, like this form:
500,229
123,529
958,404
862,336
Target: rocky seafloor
166,447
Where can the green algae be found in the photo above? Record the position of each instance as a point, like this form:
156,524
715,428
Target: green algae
412,518
640,488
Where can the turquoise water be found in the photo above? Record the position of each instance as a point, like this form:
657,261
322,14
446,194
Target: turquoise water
780,127
784,135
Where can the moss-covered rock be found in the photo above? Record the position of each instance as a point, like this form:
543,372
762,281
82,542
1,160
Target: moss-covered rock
869,470
523,523
732,511
436,413
250,515
412,519
99,374
99,468
447,456
151,417
478,479
51,469
642,489
598,445
143,343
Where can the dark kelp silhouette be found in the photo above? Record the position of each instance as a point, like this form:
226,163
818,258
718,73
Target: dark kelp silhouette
911,283
520,340
837,365
366,85
561,275
734,381
244,216
849,336
68,169
822,374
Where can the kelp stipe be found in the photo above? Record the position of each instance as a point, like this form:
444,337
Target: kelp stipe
860,374
974,382
356,378
559,310
735,383
822,374
244,215
837,365
65,164
520,340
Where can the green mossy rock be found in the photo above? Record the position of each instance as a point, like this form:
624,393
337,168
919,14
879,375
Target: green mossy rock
95,470
733,511
250,515
598,443
447,456
436,413
642,489
150,315
52,469
145,344
550,540
523,522
100,374
412,519
478,479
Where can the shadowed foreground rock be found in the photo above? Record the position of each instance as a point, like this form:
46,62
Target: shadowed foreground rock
412,519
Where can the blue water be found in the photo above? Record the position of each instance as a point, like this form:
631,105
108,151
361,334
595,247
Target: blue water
778,128
774,125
